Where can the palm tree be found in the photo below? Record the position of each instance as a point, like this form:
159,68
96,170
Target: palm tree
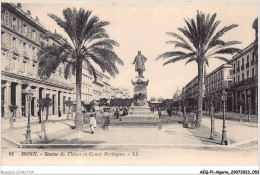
203,44
88,43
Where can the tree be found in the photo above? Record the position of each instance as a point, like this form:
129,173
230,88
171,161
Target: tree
13,109
103,102
88,43
68,103
44,103
212,100
203,43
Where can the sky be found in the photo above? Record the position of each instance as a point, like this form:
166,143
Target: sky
143,26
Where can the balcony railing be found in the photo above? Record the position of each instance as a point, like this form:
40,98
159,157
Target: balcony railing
238,69
247,65
4,46
15,51
25,57
242,67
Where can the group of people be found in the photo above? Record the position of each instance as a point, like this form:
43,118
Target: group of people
120,112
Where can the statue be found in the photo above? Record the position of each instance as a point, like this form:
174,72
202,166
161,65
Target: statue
139,64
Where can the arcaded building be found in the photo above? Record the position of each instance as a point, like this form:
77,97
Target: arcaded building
245,80
22,36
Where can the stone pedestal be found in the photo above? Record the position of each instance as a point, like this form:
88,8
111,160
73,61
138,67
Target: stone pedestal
139,113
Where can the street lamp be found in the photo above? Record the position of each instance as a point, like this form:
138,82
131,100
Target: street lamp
224,136
28,131
249,106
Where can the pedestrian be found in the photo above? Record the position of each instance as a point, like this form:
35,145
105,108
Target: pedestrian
117,113
59,111
92,122
159,113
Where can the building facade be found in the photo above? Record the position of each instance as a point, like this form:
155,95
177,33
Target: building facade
177,95
245,79
120,93
216,81
93,90
22,37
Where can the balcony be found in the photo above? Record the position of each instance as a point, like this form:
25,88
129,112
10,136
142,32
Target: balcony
15,51
34,61
242,67
25,57
247,65
238,69
4,47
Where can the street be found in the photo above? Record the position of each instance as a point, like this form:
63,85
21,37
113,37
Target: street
171,145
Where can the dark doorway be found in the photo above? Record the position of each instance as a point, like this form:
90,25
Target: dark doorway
13,93
32,106
2,102
23,105
64,104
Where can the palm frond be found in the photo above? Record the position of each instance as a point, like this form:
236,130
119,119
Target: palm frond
170,54
227,51
223,59
190,60
223,30
181,57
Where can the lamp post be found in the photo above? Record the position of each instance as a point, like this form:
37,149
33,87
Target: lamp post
224,136
249,106
28,131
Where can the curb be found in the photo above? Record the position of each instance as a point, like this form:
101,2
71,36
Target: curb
122,146
19,145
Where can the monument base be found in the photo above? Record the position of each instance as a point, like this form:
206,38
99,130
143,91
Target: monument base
140,116
140,111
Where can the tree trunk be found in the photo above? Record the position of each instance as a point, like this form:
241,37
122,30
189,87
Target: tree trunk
213,132
200,88
43,125
78,119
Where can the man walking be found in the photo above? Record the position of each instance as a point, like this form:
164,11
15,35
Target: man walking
92,122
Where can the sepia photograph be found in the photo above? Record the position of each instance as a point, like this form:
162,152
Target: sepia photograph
133,83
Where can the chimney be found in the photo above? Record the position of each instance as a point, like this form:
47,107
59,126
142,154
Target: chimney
37,18
28,12
19,5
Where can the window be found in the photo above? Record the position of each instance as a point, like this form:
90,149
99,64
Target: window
3,18
14,43
2,38
24,47
253,72
30,32
19,26
242,61
238,64
247,74
24,29
10,20
14,23
33,51
7,18
247,58
234,79
238,78
230,72
243,76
